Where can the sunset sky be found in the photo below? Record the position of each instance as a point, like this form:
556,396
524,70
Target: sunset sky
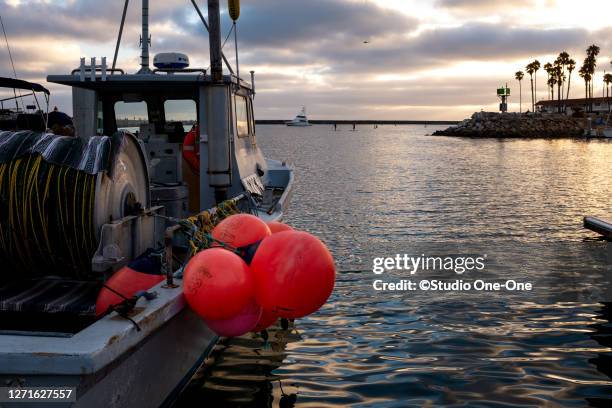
426,59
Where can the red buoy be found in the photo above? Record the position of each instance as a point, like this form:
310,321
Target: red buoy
294,274
266,320
241,230
276,227
217,284
242,323
126,281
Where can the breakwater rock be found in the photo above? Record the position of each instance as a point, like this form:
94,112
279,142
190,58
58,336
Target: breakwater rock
493,124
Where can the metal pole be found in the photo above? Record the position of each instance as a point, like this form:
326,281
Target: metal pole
214,21
168,258
125,7
219,163
253,83
236,49
144,58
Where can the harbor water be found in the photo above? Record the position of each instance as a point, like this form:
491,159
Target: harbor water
395,190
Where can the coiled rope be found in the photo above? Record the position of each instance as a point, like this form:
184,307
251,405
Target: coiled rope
198,228
46,219
47,223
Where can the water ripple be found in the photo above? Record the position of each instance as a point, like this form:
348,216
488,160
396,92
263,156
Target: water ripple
394,190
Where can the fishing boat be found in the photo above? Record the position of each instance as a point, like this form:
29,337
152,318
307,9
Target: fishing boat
14,114
104,200
300,119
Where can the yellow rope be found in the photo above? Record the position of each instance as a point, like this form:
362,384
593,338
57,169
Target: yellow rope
201,225
46,218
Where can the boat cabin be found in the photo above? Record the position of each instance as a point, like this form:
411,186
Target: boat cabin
161,108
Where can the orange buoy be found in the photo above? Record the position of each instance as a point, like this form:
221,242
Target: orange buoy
266,320
241,230
126,281
217,284
276,226
242,323
294,274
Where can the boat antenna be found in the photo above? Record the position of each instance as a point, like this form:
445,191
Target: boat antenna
234,12
145,39
236,50
125,7
8,47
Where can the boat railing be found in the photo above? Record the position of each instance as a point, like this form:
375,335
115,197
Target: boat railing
91,70
119,70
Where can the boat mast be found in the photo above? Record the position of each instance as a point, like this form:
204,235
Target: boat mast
219,170
145,39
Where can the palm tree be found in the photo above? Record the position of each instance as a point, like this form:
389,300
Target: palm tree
530,70
584,73
519,77
536,68
564,60
571,65
591,62
551,86
608,81
559,77
593,50
548,68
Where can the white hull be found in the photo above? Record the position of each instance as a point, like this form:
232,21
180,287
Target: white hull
110,363
300,120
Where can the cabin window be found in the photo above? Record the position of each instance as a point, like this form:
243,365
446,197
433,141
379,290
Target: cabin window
130,115
242,116
183,111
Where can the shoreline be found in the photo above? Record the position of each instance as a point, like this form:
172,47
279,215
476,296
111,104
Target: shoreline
361,122
517,125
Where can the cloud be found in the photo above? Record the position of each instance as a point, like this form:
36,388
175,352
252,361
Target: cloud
313,52
481,5
485,41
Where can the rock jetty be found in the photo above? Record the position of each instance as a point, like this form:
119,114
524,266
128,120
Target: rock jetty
533,125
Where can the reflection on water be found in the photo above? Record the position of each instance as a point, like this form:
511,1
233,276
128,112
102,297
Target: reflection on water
394,190
239,372
602,334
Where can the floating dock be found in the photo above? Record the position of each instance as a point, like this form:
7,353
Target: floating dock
599,226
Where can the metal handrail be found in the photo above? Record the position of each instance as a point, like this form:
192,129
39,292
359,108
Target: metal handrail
88,69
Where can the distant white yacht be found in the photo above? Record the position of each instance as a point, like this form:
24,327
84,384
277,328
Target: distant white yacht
300,119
